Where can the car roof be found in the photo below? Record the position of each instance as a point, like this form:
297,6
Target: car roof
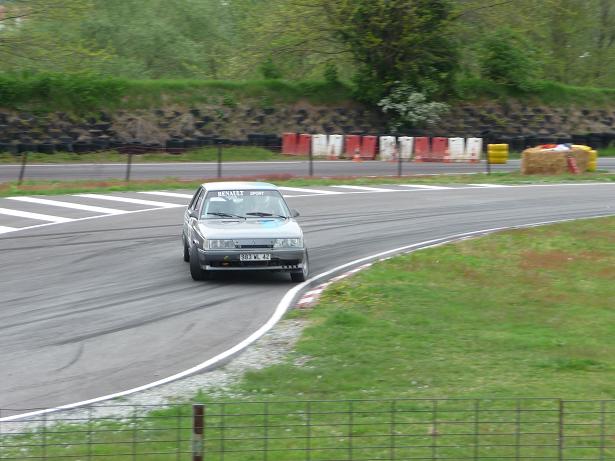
238,185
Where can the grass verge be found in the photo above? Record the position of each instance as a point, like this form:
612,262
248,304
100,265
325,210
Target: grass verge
116,185
523,313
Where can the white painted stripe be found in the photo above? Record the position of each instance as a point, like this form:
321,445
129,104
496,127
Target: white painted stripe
490,185
168,194
5,229
420,186
37,216
76,206
279,312
365,188
136,201
313,191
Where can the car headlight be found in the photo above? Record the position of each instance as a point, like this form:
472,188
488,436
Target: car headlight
220,244
288,243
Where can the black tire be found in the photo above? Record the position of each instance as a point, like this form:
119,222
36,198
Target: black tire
196,271
302,275
186,251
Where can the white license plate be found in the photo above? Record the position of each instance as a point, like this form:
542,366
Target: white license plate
255,257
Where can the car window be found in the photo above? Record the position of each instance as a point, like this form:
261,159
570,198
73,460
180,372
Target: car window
199,200
244,203
194,198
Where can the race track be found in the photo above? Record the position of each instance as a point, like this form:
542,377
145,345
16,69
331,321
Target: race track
193,171
96,305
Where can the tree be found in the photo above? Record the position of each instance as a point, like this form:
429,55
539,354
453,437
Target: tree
407,41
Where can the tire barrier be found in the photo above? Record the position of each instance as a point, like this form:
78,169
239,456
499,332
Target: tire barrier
474,149
352,145
304,144
319,145
439,150
422,148
457,149
406,147
369,147
388,148
497,153
289,143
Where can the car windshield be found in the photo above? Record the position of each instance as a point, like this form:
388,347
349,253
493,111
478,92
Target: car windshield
222,204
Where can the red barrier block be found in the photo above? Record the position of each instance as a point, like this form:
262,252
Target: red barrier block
353,142
422,149
304,145
369,147
439,150
289,143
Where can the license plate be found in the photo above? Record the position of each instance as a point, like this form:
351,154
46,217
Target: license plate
255,257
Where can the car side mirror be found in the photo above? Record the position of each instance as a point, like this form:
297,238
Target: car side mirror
294,213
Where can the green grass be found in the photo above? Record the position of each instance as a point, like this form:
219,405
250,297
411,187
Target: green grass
522,313
209,154
542,92
57,187
82,94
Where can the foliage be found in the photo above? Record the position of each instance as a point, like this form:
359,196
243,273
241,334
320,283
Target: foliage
410,108
396,40
269,70
331,74
506,58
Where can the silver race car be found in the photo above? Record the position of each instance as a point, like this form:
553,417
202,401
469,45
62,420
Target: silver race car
242,226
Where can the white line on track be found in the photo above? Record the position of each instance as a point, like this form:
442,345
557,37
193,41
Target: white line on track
76,206
313,191
489,185
283,306
168,194
365,188
136,201
420,186
37,216
5,229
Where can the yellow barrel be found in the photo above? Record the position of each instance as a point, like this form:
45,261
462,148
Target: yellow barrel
497,153
592,165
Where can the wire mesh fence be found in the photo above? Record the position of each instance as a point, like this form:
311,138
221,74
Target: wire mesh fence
358,430
139,162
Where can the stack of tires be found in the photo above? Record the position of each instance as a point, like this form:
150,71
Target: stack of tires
497,153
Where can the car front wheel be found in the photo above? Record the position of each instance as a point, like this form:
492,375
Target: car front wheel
301,276
196,271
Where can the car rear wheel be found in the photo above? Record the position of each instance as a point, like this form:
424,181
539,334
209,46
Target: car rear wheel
302,275
196,271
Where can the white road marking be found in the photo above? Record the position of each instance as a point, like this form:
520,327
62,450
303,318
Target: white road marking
420,186
5,229
76,206
37,216
489,185
365,188
136,201
168,194
313,191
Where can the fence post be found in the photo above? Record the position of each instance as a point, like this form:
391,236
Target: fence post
399,161
488,161
560,438
128,166
311,156
22,171
198,424
219,159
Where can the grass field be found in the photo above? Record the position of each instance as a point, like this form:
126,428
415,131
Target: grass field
522,313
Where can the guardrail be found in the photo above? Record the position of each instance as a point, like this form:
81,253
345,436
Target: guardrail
357,430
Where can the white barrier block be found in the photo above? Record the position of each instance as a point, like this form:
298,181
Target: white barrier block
319,145
456,149
406,147
388,147
335,146
474,149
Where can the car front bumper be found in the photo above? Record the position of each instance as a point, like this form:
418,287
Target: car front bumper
224,260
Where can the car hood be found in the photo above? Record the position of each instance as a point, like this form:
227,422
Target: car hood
250,228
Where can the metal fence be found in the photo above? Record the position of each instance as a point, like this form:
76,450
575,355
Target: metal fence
303,166
358,430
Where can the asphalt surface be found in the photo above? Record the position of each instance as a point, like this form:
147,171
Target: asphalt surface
235,169
96,306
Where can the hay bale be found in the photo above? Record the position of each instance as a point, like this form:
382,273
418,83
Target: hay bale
543,161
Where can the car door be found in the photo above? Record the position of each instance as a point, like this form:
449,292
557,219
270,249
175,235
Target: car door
188,219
